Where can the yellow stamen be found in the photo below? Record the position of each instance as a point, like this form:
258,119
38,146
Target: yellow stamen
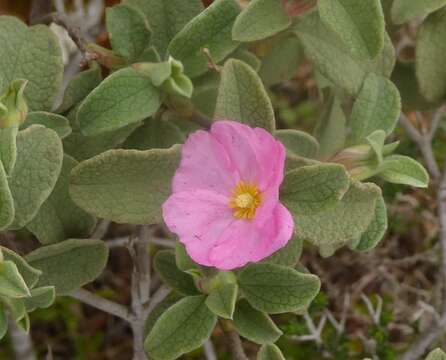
245,200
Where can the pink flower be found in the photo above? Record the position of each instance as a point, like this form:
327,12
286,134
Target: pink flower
225,203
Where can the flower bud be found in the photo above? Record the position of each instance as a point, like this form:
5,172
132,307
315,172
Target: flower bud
13,106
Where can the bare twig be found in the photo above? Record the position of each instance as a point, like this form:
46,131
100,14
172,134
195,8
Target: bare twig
156,298
103,304
39,8
209,350
236,346
124,241
21,343
374,313
315,333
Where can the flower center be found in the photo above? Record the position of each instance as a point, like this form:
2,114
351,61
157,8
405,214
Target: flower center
245,199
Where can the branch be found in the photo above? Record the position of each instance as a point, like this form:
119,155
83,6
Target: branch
21,343
209,350
103,304
234,341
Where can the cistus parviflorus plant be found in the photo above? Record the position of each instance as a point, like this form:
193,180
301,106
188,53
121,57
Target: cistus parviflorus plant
172,127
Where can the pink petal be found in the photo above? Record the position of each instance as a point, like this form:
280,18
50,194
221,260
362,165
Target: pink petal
244,242
198,218
204,165
256,155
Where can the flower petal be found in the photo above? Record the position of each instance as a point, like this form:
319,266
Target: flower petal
244,242
257,156
204,165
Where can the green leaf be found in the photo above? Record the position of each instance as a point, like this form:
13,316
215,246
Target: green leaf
345,222
12,283
7,210
80,86
289,255
260,19
42,298
38,165
125,186
123,98
359,23
430,50
331,130
270,352
400,169
436,354
8,148
312,189
205,32
377,107
242,97
375,231
243,54
406,10
221,300
184,327
282,60
166,18
29,274
165,265
128,31
376,141
154,134
298,143
277,289
334,61
3,321
159,310
255,325
184,261
51,121
33,54
59,218
69,264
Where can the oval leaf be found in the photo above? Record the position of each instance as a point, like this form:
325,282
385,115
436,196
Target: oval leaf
400,169
270,352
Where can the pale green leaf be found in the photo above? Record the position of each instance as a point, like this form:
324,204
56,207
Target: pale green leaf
7,210
312,189
33,54
12,283
166,18
59,218
166,267
345,222
221,300
42,298
80,86
128,31
298,142
436,354
400,169
375,231
406,10
70,264
359,23
377,107
183,260
123,98
39,161
8,148
159,310
289,255
430,52
242,97
55,122
255,325
270,352
204,31
3,321
247,56
184,327
29,274
154,134
277,289
259,20
126,186
281,61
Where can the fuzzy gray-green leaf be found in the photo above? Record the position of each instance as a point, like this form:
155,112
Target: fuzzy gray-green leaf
242,97
205,31
221,300
406,10
124,98
55,122
11,282
400,169
277,289
298,142
8,148
41,297
59,218
70,264
436,354
39,161
184,327
126,186
255,325
260,19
